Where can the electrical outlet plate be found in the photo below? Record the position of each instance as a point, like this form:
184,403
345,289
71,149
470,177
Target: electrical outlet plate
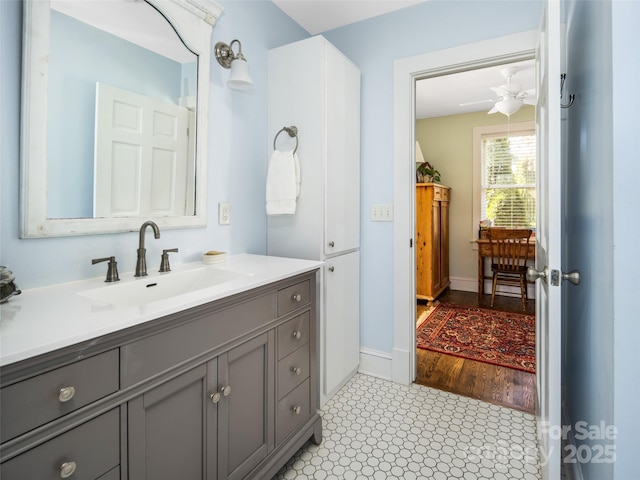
224,213
382,212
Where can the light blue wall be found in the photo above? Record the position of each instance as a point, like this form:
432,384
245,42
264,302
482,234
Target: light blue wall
80,56
237,160
626,205
373,45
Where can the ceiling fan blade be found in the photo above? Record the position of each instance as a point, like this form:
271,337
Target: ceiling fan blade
477,102
493,110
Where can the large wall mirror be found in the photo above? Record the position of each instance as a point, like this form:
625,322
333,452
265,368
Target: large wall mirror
114,115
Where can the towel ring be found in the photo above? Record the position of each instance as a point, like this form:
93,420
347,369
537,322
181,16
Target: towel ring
293,133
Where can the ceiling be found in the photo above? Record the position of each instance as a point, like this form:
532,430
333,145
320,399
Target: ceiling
435,97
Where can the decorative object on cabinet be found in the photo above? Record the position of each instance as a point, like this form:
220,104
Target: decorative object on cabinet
428,173
323,98
432,240
8,287
239,78
223,390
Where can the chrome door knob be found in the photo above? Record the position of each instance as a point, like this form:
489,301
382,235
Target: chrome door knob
573,277
226,390
533,274
215,397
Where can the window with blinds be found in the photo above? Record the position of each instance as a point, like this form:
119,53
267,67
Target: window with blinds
508,179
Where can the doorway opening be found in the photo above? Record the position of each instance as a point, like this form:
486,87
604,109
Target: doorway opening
495,52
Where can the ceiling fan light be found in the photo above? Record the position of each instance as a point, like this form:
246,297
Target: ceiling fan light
508,106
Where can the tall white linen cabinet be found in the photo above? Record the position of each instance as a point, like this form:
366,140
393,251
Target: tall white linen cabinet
315,88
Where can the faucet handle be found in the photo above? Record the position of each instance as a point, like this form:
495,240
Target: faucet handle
164,260
112,268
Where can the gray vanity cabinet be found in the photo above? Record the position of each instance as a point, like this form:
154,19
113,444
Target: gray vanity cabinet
223,391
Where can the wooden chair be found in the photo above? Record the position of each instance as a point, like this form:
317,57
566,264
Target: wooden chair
509,255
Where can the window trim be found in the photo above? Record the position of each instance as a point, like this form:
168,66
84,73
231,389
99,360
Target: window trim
478,132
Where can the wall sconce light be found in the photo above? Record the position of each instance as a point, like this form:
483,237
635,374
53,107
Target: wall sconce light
239,78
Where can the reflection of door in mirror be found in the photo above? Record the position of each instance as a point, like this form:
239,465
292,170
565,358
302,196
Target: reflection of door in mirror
95,43
141,167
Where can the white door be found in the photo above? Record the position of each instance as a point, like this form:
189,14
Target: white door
141,167
549,242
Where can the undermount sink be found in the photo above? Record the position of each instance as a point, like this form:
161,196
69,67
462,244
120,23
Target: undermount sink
145,290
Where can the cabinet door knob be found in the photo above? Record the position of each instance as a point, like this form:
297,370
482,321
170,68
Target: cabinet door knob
66,393
226,391
297,334
332,244
331,269
215,397
296,370
296,297
296,410
67,469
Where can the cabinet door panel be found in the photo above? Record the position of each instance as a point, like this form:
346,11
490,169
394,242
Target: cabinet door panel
342,322
342,175
169,428
245,423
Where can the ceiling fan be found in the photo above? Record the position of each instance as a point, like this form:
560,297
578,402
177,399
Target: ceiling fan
512,97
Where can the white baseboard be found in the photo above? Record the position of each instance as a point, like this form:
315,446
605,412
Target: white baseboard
375,363
471,285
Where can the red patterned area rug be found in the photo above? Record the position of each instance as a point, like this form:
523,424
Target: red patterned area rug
502,338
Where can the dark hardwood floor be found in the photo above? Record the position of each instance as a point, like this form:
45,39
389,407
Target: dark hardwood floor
499,385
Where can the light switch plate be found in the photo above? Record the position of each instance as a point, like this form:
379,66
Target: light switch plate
224,213
382,212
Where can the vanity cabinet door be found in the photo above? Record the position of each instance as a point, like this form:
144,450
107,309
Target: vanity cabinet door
172,428
245,415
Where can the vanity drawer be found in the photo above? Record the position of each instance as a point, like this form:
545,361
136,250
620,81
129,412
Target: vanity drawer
33,402
292,370
293,334
293,297
93,446
293,410
161,351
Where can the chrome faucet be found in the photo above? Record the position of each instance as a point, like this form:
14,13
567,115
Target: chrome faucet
141,264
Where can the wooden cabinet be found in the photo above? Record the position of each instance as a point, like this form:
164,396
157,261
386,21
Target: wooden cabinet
322,99
225,390
432,240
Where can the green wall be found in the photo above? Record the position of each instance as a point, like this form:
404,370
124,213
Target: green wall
447,143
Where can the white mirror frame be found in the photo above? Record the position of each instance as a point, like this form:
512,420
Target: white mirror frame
193,21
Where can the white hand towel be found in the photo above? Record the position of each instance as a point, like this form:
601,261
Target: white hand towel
283,183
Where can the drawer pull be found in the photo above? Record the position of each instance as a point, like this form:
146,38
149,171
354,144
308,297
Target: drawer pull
215,397
65,394
296,370
67,469
296,298
296,410
297,334
226,391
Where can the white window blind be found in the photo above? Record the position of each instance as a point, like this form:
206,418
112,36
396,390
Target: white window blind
508,179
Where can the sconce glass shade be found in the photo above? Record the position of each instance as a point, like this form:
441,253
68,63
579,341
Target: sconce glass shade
239,78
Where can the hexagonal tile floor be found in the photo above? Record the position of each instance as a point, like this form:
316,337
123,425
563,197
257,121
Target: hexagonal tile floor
377,429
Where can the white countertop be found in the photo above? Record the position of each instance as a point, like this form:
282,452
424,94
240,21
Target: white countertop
42,320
